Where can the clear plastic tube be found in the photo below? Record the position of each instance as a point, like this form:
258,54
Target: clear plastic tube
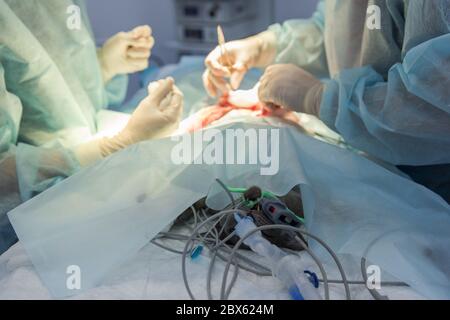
285,267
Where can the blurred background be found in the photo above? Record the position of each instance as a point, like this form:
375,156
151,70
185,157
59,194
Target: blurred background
188,27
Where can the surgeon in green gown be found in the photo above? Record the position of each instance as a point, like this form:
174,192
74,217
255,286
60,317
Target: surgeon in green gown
54,83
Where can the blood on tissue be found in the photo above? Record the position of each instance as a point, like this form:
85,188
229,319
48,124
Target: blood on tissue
213,113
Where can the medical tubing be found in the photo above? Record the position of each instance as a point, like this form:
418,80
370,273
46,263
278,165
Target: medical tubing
191,237
319,264
220,215
238,265
284,266
374,293
268,227
234,253
216,248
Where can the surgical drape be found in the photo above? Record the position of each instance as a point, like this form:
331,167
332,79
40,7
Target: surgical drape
101,216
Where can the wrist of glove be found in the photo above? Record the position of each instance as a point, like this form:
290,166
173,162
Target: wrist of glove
93,151
111,145
107,72
266,46
313,99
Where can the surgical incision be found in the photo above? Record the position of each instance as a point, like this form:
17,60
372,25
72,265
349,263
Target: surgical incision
239,100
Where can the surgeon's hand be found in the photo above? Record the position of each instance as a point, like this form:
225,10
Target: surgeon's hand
126,52
241,55
157,116
288,86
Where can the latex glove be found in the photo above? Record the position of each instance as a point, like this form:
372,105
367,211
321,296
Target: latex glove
241,55
288,86
126,52
157,116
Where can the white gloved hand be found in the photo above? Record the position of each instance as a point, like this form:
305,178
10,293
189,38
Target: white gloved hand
126,52
241,55
157,116
288,86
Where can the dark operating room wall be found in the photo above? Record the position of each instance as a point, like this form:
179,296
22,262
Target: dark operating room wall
294,9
